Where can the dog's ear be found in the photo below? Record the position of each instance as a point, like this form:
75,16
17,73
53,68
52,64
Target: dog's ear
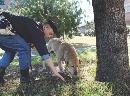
62,40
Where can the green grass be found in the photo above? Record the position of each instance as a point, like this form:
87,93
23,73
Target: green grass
87,55
84,39
84,86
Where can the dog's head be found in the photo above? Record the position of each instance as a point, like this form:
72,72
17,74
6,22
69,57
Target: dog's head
73,66
50,46
73,71
51,50
53,45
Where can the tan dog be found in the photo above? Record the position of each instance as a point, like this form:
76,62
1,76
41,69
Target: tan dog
64,52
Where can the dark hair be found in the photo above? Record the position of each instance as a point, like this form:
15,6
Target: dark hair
52,25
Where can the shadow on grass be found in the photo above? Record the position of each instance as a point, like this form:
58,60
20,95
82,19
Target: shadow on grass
46,84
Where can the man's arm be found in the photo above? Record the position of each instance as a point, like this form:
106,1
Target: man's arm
50,63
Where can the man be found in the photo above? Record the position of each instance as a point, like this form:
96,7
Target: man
27,31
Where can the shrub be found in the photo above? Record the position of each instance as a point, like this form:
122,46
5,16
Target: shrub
90,32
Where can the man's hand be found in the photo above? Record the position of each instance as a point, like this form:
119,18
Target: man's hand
50,63
59,76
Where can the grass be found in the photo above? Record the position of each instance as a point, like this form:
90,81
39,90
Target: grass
82,41
84,85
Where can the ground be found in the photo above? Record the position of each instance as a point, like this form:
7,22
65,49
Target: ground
43,80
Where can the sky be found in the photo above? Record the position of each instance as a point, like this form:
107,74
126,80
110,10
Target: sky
88,10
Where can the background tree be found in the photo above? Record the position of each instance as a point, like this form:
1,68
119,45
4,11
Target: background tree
1,2
91,29
111,40
63,12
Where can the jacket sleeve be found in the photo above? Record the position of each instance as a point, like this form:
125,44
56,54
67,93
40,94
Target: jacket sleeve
38,40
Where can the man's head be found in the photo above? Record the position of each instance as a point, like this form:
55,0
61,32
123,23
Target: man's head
49,29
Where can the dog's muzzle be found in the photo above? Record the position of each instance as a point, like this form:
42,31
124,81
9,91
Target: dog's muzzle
52,52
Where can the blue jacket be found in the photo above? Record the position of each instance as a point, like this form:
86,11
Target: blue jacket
30,31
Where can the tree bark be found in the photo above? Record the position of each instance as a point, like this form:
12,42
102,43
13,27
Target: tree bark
111,40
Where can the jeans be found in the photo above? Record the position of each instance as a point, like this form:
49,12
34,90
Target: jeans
13,44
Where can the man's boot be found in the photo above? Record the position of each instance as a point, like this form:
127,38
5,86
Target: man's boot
25,78
2,72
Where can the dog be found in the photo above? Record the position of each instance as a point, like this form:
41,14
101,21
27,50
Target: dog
64,52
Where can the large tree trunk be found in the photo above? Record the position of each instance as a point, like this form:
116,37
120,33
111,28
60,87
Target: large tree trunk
111,40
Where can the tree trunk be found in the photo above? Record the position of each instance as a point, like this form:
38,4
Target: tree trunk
111,40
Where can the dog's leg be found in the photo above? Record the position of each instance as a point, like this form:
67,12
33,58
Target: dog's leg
44,66
61,68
